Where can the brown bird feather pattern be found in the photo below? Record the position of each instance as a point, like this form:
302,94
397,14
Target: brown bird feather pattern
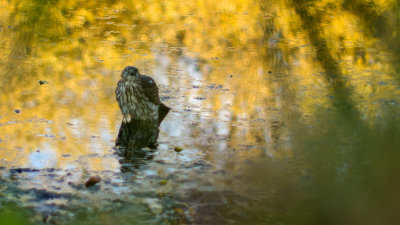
137,97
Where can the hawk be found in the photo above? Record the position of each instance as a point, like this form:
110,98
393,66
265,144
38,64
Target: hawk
137,97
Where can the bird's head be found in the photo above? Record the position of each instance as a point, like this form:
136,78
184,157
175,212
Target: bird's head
130,72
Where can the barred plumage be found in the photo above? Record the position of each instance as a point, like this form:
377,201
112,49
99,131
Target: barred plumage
137,97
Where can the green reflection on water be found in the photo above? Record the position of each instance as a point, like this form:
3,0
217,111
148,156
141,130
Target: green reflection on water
277,104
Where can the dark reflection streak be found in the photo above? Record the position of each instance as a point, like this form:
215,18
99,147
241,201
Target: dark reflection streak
342,93
379,25
365,11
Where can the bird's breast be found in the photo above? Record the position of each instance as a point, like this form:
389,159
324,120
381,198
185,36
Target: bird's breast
133,102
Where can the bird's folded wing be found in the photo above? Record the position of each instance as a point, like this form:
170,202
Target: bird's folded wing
151,92
150,89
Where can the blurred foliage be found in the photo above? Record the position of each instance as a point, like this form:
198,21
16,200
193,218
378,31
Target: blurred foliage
11,214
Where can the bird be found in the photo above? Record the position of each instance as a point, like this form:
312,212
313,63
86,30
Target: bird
137,97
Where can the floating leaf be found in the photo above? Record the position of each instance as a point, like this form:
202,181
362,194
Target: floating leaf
179,210
41,82
178,149
163,182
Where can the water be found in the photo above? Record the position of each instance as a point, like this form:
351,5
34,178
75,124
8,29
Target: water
287,111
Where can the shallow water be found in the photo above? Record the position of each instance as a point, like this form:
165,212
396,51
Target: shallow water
268,100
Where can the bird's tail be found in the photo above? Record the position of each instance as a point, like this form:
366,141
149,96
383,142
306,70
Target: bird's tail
162,112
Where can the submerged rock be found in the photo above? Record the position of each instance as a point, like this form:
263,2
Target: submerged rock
154,205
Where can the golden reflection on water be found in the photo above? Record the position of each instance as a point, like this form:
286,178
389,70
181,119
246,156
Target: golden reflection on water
233,74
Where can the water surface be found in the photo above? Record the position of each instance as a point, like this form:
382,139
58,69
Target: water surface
287,111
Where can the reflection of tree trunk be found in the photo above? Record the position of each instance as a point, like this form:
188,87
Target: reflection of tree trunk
372,21
342,93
